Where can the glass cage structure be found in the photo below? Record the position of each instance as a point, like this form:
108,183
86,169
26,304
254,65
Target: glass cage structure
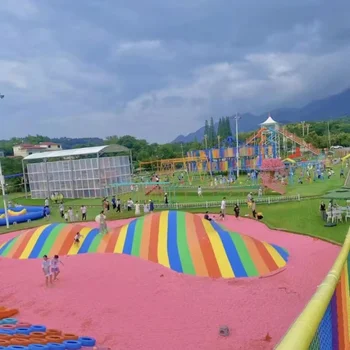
78,173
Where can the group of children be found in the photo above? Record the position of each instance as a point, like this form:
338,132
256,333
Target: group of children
222,212
130,205
51,268
70,216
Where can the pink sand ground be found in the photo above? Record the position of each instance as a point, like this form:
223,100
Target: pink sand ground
127,303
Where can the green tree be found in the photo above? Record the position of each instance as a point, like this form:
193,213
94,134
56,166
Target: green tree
228,127
206,128
212,133
221,128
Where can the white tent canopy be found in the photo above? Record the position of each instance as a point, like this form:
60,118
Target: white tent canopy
77,152
269,121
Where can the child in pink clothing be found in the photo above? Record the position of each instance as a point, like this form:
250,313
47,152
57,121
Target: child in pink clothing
54,266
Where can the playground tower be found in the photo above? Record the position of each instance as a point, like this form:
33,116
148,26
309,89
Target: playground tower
270,136
271,133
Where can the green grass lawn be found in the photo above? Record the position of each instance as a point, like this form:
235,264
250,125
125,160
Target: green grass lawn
316,188
300,217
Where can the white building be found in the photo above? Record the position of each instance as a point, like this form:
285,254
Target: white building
26,149
78,173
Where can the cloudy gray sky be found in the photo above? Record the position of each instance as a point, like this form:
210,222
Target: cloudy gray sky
156,68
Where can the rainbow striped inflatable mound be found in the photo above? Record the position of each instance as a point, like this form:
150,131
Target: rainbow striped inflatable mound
181,241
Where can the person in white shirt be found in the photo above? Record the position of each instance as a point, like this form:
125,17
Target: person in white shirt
118,206
46,267
223,206
83,213
71,214
130,204
199,191
66,216
137,208
146,208
103,225
260,192
46,202
54,266
61,206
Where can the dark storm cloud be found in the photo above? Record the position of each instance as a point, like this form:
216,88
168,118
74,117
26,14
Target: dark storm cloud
128,66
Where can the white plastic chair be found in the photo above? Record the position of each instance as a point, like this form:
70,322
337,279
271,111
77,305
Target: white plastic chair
339,216
347,215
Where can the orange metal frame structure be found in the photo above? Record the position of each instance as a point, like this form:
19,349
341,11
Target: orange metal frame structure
169,166
260,135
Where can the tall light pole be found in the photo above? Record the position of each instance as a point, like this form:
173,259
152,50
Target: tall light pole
2,183
236,118
182,150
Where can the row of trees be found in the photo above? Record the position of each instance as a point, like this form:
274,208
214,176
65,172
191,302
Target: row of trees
213,135
326,133
339,134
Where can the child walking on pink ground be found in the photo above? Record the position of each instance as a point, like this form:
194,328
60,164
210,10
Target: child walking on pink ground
55,266
46,267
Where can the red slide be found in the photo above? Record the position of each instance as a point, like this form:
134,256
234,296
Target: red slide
296,154
274,185
152,189
299,141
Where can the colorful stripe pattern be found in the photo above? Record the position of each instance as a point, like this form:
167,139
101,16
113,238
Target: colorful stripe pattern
181,241
334,329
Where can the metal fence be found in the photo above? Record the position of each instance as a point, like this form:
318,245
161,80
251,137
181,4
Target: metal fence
216,204
215,188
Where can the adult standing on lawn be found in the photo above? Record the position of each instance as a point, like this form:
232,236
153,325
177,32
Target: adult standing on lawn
223,206
254,208
323,211
114,203
236,210
102,222
83,212
118,206
151,206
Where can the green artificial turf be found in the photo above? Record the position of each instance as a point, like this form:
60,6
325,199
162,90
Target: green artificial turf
301,217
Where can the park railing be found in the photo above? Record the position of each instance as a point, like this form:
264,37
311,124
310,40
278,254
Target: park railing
218,187
217,204
325,321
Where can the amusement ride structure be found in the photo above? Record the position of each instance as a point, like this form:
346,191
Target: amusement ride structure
270,141
272,133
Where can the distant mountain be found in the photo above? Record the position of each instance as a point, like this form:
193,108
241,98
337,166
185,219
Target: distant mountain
328,108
